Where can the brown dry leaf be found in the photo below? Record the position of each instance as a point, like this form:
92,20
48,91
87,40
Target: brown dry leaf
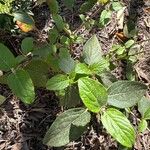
147,10
120,36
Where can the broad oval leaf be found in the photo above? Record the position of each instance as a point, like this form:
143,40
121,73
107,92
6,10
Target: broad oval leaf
66,62
27,45
147,115
107,79
92,52
38,71
67,127
129,43
82,68
123,94
118,126
25,27
2,99
53,6
92,93
23,17
7,59
58,82
100,67
87,5
144,107
71,98
116,6
142,126
24,21
53,35
22,86
58,21
105,17
43,51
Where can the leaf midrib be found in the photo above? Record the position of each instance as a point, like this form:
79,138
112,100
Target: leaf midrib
114,122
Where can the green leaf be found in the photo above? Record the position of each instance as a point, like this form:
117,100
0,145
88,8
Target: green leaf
144,106
23,17
38,71
105,17
147,115
66,63
118,126
43,52
2,99
100,67
120,50
86,6
82,68
22,86
107,79
27,45
53,6
69,3
92,93
116,6
65,41
7,59
130,30
133,51
58,82
58,21
53,62
72,98
129,43
53,35
92,52
130,73
20,59
115,47
123,94
142,126
67,127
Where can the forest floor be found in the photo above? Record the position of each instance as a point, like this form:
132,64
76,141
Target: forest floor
22,127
